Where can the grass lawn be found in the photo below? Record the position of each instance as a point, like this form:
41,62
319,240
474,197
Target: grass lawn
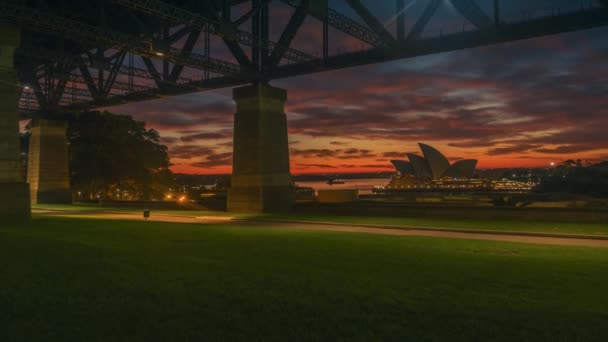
95,280
455,223
95,208
428,222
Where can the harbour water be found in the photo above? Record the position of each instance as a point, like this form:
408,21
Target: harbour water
363,185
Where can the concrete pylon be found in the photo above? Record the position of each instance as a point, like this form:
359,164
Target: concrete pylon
14,192
261,180
48,165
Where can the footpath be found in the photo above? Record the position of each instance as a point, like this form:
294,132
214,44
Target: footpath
491,235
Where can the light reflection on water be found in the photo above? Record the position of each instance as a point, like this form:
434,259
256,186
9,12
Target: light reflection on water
364,185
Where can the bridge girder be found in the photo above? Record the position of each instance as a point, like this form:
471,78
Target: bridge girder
117,51
47,22
216,26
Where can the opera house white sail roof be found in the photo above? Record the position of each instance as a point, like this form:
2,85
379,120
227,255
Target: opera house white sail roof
434,165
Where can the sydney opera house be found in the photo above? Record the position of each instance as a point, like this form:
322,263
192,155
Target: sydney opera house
434,165
433,172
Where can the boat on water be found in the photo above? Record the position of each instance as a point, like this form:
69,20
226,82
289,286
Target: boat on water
333,181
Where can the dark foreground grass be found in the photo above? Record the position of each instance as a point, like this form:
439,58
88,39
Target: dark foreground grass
95,280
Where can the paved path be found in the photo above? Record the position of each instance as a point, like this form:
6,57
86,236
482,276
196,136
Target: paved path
491,236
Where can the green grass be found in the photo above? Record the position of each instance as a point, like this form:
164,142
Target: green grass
457,223
424,222
95,280
81,207
92,208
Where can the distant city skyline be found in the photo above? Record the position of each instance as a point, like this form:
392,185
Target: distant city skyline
522,104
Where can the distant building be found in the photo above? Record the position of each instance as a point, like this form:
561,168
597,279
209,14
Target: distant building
433,172
434,165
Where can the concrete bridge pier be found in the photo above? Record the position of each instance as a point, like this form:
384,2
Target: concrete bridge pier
48,164
261,179
14,192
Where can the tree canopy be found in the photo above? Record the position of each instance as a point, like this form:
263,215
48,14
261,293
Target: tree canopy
574,178
114,156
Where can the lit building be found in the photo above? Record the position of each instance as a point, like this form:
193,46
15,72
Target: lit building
433,172
434,165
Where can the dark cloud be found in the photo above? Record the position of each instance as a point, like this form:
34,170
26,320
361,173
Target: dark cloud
472,143
168,140
225,144
189,151
338,143
207,136
351,153
215,160
393,154
183,111
355,153
319,166
566,149
314,153
520,148
375,166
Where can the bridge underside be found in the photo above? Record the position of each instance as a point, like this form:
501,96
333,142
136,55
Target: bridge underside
79,55
76,55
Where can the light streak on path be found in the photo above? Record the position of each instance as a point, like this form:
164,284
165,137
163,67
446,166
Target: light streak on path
522,237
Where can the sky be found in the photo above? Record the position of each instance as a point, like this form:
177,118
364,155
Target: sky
520,104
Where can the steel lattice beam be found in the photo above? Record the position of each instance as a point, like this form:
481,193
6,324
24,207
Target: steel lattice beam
47,56
190,87
289,33
49,23
371,21
470,10
116,85
343,23
424,19
71,78
496,34
224,29
86,79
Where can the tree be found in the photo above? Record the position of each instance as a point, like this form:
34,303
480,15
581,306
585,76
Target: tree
114,156
590,180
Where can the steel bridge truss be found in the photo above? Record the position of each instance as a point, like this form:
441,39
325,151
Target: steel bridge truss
79,56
